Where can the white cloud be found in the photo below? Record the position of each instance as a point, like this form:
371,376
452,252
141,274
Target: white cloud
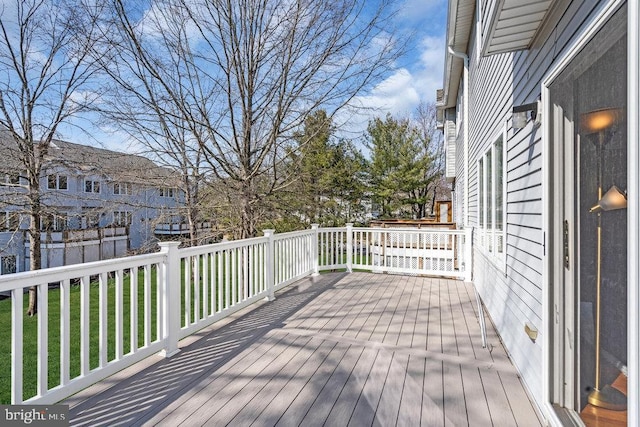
429,70
400,93
395,94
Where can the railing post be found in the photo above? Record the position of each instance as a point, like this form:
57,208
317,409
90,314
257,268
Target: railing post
349,247
270,260
314,250
468,254
170,298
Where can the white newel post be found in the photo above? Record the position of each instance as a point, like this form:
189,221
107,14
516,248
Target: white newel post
468,254
314,250
350,247
270,265
170,298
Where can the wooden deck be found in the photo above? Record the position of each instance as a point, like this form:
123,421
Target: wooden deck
350,349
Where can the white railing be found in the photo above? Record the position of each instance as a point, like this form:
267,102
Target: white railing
434,252
98,318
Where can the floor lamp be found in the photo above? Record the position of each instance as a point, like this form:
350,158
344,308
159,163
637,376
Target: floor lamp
599,121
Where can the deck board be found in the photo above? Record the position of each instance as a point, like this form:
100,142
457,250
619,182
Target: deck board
354,349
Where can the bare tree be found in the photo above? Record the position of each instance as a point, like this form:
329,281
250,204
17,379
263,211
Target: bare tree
433,148
154,93
242,76
45,67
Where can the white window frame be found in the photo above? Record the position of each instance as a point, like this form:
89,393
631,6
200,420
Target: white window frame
492,240
124,188
57,182
7,220
90,218
3,263
121,218
57,221
167,192
95,186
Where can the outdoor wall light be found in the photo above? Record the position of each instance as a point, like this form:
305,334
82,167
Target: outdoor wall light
523,113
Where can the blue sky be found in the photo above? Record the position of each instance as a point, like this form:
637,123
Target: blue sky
419,73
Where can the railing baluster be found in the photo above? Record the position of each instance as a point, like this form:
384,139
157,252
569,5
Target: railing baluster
186,286
16,345
65,310
102,314
205,285
195,277
119,314
133,303
263,267
85,343
234,276
159,285
245,273
213,283
227,278
220,281
43,338
147,304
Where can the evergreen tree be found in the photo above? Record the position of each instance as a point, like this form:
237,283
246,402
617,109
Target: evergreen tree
401,170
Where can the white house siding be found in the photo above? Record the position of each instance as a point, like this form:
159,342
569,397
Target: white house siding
460,181
512,289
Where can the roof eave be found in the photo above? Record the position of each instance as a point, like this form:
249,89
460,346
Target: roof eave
460,18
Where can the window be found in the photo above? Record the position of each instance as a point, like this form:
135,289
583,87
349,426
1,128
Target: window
53,222
121,188
121,218
491,198
9,221
57,182
91,186
90,218
166,192
8,264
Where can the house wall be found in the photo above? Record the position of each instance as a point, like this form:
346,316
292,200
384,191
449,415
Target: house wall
145,204
511,288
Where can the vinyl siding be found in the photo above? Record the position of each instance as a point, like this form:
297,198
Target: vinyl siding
512,288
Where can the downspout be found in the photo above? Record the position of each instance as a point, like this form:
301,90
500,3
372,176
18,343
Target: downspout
465,128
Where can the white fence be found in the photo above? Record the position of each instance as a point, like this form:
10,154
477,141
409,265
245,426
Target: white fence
434,252
97,318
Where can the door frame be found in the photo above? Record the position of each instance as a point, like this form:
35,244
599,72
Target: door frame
552,221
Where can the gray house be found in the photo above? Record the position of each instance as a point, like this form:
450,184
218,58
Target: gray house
98,204
540,111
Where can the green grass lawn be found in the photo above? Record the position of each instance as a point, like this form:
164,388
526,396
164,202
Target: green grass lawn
30,333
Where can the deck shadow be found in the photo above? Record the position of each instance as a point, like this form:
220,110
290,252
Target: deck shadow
140,397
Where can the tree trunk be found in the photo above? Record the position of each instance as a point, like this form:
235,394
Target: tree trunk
35,257
248,225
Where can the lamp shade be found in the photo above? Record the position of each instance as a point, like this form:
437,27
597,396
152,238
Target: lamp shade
598,120
613,199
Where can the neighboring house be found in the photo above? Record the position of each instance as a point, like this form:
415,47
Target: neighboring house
97,204
540,111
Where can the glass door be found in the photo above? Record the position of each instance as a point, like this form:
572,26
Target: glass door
589,122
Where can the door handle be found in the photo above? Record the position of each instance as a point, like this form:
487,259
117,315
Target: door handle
565,243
